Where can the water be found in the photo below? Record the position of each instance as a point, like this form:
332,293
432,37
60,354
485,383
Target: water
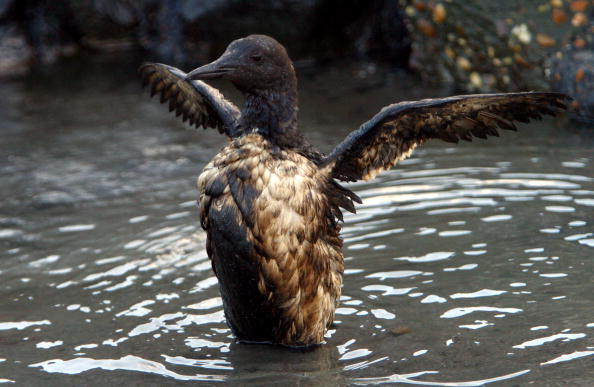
466,265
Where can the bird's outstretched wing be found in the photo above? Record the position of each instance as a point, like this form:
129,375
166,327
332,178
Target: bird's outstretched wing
393,133
203,105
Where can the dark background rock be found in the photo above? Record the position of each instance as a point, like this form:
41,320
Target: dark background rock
481,46
47,26
475,46
371,29
5,6
191,31
572,69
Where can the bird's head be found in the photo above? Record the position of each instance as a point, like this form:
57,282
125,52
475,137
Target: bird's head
256,62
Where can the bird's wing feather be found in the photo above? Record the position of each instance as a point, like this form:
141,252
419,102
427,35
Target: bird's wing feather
393,133
200,104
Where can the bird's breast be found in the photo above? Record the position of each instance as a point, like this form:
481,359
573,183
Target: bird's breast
270,186
277,197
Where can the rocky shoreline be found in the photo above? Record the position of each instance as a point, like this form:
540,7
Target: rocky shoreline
473,46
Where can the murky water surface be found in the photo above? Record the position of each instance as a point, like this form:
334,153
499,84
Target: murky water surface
466,265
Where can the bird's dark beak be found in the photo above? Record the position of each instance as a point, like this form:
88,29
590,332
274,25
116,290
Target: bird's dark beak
217,69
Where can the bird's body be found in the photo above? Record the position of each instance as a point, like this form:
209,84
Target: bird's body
269,201
273,241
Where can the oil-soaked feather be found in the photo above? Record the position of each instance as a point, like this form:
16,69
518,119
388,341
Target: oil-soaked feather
391,134
201,104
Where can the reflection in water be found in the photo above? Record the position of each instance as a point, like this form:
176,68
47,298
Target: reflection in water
465,266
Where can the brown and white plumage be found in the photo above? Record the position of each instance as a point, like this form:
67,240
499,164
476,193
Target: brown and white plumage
271,233
269,200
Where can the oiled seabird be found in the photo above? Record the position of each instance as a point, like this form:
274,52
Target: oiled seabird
269,200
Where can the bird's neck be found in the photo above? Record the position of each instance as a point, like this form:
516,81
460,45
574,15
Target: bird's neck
273,113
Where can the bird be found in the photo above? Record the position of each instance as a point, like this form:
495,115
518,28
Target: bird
271,203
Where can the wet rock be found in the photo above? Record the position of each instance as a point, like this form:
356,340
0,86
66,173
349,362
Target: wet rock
183,31
35,31
474,45
120,12
16,53
573,73
372,29
191,10
170,35
504,46
49,28
5,7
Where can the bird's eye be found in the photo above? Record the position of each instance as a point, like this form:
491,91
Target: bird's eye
256,58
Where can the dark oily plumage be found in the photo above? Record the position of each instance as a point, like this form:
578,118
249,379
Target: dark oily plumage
269,201
200,104
393,133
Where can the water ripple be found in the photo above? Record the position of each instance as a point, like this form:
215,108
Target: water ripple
478,294
458,312
568,357
430,257
394,274
124,270
22,324
126,363
548,339
410,379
